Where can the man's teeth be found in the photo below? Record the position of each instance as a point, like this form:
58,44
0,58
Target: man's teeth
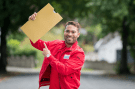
68,38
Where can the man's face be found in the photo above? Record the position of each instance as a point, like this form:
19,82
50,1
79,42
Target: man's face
71,34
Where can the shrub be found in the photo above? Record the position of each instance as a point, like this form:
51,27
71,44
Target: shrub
14,49
12,46
27,51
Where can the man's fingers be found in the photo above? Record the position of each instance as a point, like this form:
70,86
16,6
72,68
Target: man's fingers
29,17
33,16
45,46
35,13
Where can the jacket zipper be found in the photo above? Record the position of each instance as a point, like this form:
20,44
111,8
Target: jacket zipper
59,74
59,81
59,60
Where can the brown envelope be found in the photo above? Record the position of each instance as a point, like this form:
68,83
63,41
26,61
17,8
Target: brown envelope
46,19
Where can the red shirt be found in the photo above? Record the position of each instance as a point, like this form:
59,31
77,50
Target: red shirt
62,69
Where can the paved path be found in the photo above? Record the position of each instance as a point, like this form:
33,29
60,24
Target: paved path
29,80
90,81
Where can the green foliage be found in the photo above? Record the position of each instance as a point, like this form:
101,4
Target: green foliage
109,13
39,58
17,36
116,15
14,49
116,68
17,12
27,51
81,38
57,6
12,46
131,40
92,31
87,48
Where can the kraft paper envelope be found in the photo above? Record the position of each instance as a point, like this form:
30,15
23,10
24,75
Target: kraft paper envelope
46,19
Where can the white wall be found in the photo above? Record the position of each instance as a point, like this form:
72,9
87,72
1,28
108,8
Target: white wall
107,52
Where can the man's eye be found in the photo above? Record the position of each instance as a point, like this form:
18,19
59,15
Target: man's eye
73,32
67,31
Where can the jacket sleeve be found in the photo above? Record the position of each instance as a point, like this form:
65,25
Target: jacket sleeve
40,44
75,62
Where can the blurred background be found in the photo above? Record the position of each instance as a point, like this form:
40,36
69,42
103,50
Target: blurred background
107,33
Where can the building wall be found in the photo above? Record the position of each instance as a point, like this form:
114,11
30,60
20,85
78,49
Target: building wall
108,52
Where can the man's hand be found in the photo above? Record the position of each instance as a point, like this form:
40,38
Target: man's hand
46,51
33,16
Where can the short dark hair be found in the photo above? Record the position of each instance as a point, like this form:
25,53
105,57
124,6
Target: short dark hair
76,24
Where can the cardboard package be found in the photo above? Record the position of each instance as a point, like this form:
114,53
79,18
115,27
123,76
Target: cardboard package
46,19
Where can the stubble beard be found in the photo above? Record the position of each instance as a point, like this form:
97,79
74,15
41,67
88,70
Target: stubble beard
70,41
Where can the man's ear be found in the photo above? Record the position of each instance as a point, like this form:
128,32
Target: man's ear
78,34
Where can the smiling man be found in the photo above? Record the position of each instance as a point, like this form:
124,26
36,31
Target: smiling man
63,60
71,33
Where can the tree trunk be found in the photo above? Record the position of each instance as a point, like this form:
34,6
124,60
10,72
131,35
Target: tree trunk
134,66
123,65
3,55
3,59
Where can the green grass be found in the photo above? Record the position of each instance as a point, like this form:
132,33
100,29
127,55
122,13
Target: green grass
87,69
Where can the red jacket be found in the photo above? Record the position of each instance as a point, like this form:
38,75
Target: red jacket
62,69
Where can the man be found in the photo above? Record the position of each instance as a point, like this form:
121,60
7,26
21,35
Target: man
63,60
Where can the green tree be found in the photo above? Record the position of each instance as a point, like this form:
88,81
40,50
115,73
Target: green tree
13,15
131,40
116,15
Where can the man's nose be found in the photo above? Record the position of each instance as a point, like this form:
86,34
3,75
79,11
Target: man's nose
70,33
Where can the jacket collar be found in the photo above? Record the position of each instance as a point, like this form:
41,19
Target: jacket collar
69,48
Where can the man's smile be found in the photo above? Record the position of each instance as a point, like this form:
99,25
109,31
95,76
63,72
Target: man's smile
69,38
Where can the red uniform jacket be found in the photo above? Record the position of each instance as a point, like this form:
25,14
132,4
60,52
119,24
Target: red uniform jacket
62,69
